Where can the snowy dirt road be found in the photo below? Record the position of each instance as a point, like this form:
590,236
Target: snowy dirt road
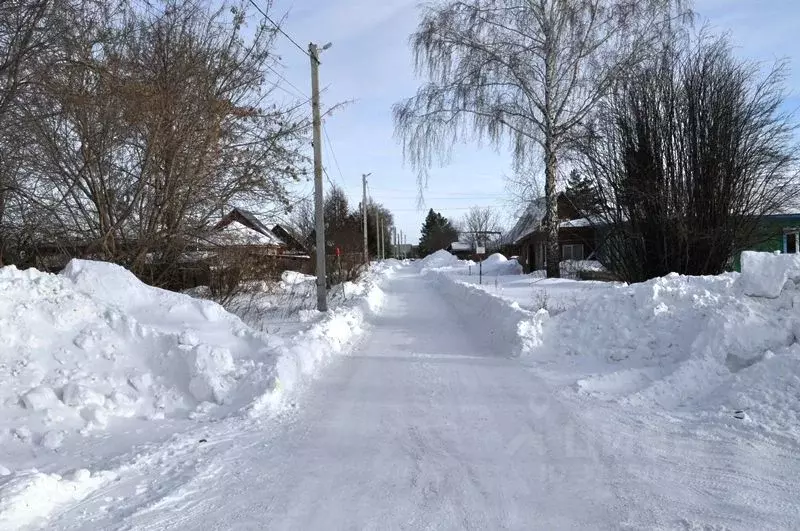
425,426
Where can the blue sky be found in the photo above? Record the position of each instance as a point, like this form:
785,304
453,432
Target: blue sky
370,63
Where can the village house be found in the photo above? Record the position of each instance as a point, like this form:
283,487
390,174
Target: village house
578,237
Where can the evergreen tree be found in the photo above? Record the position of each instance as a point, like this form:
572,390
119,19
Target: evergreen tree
337,213
438,233
582,192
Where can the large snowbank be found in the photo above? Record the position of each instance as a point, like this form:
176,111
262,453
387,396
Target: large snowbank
698,344
93,343
92,346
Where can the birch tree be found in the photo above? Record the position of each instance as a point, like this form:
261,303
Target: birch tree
523,74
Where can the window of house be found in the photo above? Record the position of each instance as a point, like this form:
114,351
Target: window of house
791,242
572,251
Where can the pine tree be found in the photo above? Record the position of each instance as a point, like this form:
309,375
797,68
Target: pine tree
437,233
582,192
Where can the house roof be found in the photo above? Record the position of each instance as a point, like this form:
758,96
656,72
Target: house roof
235,233
460,246
529,222
792,218
246,229
253,220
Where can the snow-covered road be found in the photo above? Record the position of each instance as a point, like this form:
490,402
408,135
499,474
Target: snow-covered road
425,426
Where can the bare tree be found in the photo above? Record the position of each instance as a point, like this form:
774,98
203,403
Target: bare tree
688,154
23,38
302,221
526,72
159,119
22,35
479,220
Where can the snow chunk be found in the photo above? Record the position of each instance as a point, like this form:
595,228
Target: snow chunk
77,395
210,369
40,398
53,439
765,274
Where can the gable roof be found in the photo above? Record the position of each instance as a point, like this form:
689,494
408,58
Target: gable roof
242,227
252,220
237,233
460,246
529,222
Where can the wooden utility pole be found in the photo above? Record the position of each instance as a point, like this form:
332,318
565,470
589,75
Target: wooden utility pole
322,289
377,235
382,242
364,212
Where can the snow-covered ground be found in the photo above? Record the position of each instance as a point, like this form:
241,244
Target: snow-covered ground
519,403
96,365
716,348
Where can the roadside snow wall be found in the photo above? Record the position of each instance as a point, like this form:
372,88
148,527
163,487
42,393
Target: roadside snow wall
94,343
505,326
676,342
94,346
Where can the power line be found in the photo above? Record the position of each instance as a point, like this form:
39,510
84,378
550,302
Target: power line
443,197
279,28
466,194
445,209
328,177
330,147
299,92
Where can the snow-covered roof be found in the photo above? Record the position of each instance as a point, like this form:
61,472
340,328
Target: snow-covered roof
254,221
581,222
460,246
234,233
529,222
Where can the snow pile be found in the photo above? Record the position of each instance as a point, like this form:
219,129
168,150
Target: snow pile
440,258
766,274
94,343
29,497
301,357
292,278
682,341
498,264
571,268
699,344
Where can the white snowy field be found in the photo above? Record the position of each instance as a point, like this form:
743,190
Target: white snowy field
519,404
